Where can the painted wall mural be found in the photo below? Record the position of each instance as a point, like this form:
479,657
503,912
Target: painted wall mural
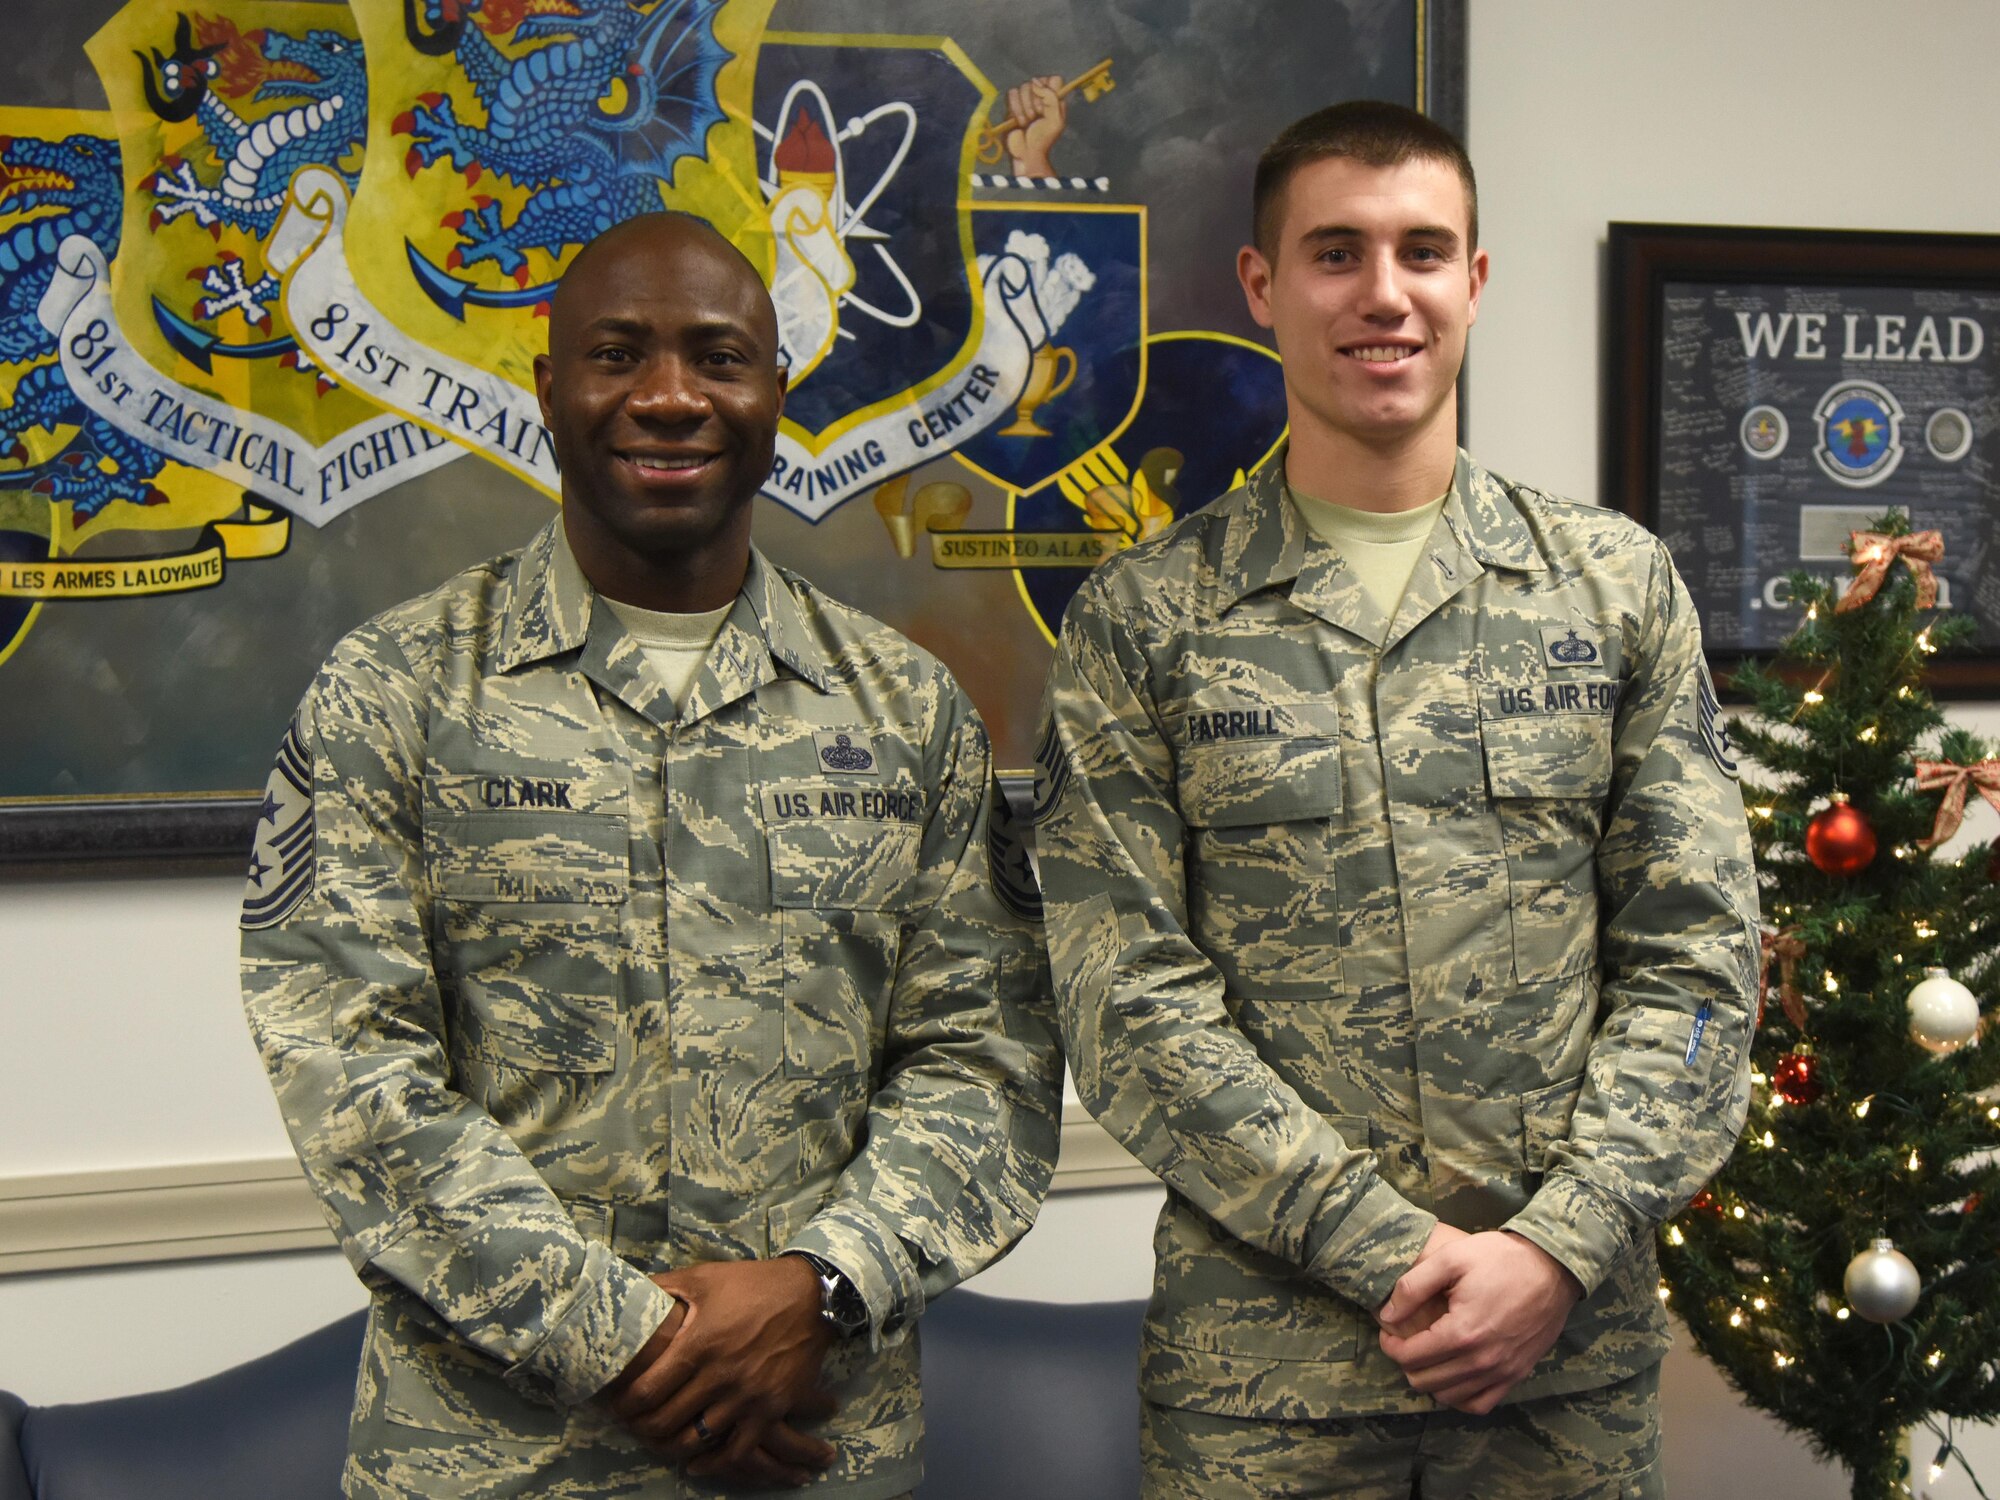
269,303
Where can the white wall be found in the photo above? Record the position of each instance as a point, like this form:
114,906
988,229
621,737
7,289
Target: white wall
1832,114
120,1041
1836,114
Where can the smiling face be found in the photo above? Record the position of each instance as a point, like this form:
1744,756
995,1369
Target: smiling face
662,392
1371,290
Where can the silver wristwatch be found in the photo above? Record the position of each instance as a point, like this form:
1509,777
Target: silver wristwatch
840,1301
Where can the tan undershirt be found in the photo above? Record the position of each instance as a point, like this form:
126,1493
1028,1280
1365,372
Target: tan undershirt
674,646
1382,547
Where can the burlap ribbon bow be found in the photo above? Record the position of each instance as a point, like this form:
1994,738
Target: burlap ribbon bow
1787,947
1954,780
1872,552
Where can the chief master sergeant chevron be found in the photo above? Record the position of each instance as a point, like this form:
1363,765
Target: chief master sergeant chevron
622,947
1399,902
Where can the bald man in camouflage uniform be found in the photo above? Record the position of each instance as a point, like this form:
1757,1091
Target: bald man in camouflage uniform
657,1050
1399,903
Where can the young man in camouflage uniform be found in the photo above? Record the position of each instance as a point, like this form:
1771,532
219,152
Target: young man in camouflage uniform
1399,902
623,948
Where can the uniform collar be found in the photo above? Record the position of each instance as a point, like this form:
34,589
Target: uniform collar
769,610
1488,520
554,611
1267,544
550,610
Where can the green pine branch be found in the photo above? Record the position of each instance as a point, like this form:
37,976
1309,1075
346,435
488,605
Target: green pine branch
1900,1142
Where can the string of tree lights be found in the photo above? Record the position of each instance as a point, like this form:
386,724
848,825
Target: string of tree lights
1844,1268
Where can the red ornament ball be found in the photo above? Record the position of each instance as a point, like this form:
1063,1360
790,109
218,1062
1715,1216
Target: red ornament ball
1705,1201
1796,1078
1839,840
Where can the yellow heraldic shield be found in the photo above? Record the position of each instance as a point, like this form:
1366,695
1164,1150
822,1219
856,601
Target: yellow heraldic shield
501,138
184,343
71,481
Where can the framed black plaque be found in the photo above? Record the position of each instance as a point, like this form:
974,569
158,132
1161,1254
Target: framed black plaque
1773,390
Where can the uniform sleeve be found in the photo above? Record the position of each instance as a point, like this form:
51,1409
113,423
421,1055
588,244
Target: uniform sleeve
1667,1078
962,1129
422,1187
1151,1044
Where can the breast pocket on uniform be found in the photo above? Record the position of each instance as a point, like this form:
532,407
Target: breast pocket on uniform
1548,770
843,871
1259,787
526,922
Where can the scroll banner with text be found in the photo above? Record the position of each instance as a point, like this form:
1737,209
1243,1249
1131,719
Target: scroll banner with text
348,335
266,534
264,456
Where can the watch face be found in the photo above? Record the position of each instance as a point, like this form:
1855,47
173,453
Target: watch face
840,1301
845,1308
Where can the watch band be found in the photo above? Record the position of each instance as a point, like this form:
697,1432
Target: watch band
841,1304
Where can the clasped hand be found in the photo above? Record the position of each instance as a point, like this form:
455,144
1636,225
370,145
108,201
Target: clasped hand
1473,1316
720,1381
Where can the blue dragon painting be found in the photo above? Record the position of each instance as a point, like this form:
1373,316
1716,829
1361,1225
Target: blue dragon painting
78,178
324,72
591,122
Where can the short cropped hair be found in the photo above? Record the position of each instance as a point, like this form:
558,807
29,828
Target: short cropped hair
1370,131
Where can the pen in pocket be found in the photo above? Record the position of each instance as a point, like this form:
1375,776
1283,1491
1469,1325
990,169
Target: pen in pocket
1700,1025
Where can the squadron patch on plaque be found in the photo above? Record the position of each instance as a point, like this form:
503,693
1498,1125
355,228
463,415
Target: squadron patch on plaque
281,863
1860,433
1763,432
1948,434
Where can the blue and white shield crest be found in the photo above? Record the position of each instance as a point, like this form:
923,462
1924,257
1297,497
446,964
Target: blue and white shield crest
900,344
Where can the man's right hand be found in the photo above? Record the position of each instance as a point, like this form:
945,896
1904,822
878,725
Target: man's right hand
784,1456
1411,1321
1505,1302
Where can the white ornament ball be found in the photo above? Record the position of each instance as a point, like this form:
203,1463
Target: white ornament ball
1944,1015
1881,1283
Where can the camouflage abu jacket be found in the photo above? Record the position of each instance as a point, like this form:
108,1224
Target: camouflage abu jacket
557,990
1350,937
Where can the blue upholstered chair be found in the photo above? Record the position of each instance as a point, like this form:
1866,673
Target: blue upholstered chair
1029,1399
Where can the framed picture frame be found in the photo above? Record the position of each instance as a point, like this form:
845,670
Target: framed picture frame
1772,390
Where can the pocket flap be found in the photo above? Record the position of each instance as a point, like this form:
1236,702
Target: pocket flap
572,858
1269,763
1565,754
849,863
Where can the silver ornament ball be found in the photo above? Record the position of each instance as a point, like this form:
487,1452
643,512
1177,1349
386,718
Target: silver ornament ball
1944,1014
1881,1283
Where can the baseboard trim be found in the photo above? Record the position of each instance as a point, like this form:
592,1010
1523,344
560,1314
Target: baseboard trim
127,1216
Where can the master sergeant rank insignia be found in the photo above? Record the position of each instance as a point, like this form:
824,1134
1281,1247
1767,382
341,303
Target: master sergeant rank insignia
281,864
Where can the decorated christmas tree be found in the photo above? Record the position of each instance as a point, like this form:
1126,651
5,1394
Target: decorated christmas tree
1844,1267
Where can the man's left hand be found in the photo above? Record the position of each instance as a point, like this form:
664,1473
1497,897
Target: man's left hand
748,1354
1504,1302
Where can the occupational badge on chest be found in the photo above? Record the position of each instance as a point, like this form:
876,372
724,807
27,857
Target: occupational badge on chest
846,752
1562,646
